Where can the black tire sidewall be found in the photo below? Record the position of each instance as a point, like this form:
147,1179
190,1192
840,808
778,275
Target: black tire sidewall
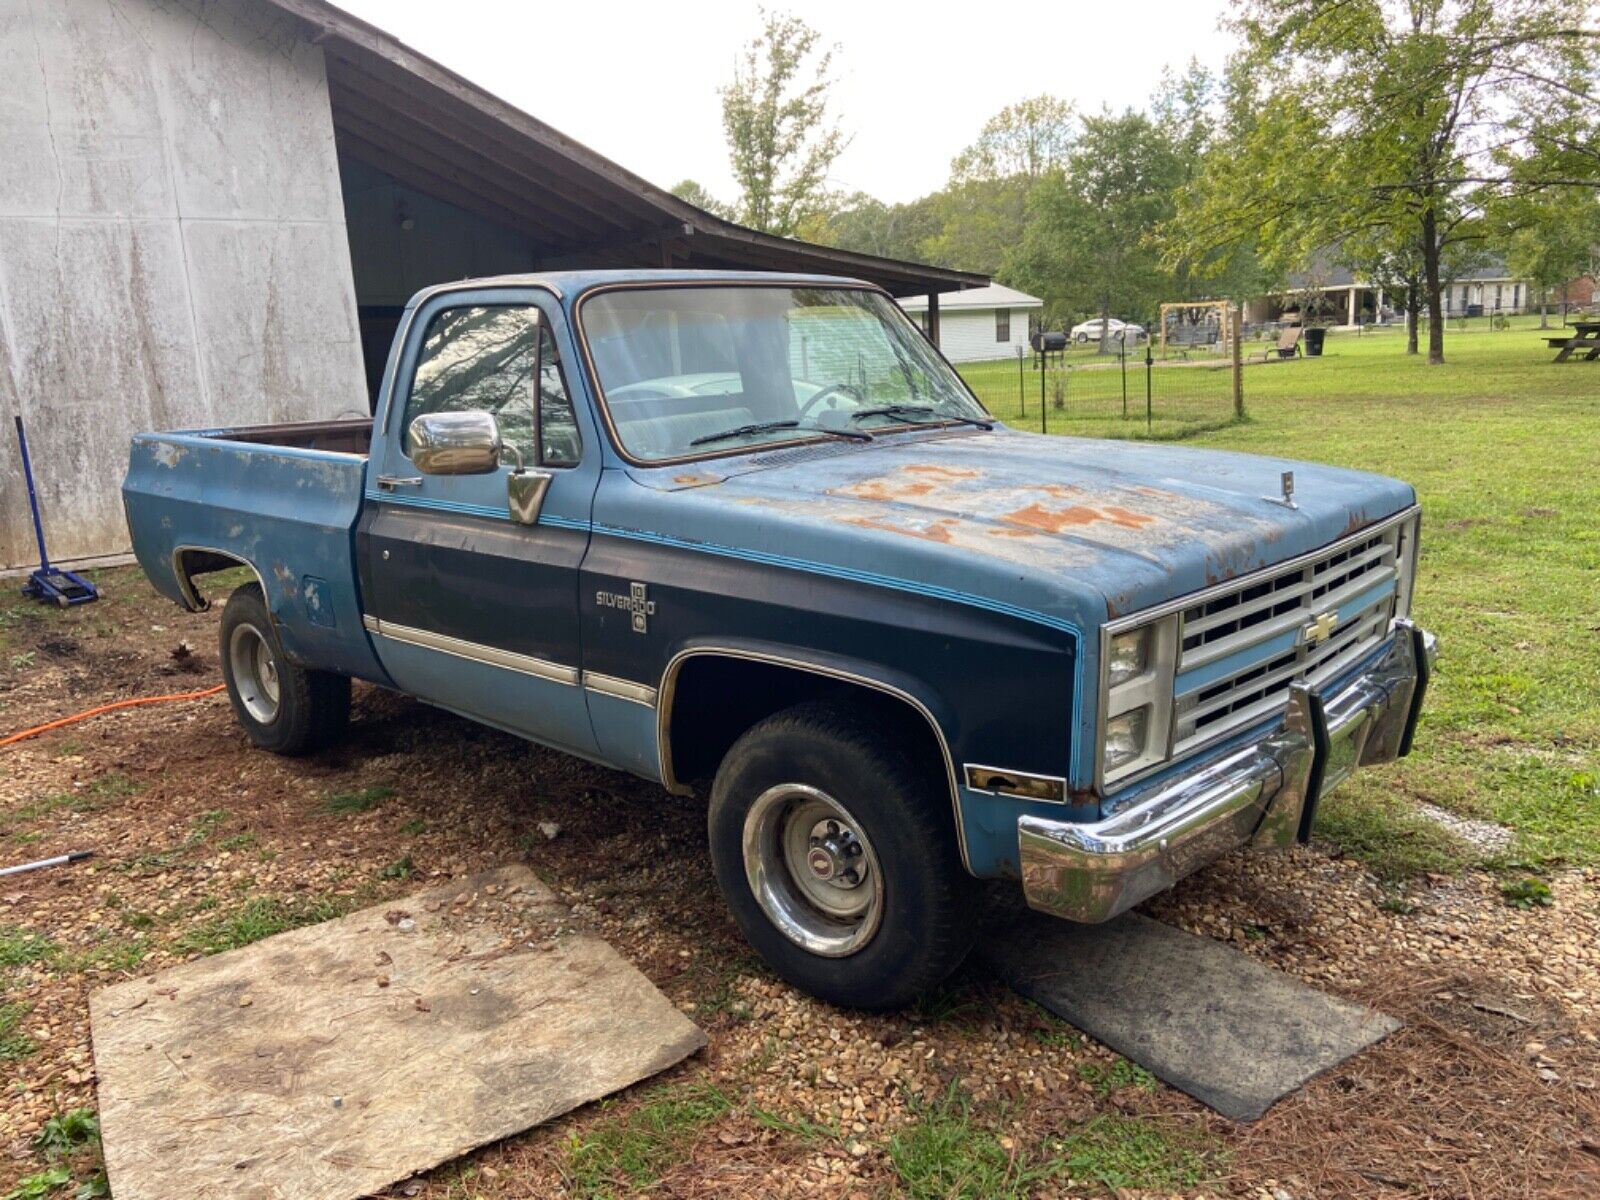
289,732
924,883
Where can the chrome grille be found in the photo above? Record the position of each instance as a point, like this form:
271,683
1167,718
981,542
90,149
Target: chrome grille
1241,649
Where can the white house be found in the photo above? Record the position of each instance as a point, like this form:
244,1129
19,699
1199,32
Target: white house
981,323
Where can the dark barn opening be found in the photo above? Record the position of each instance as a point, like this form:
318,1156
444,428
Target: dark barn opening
443,181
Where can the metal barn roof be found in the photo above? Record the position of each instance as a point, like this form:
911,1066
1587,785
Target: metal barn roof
433,130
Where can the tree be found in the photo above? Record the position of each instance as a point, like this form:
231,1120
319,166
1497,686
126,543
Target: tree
861,222
1028,139
1087,244
690,190
775,116
983,212
1401,122
1551,239
1188,110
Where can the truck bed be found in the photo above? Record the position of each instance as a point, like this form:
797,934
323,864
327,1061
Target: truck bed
353,436
281,499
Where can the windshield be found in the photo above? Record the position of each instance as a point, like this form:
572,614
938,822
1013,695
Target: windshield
701,370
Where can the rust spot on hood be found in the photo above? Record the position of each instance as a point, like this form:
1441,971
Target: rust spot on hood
1356,521
1126,517
938,471
885,491
936,531
1076,516
1058,491
692,480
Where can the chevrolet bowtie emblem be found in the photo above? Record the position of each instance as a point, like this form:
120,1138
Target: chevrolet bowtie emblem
1319,629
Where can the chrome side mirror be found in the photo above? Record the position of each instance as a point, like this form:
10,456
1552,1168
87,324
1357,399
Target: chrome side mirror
454,443
525,490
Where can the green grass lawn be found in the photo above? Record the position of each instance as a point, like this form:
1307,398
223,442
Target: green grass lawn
1502,445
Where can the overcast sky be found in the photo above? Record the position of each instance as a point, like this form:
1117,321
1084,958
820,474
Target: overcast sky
638,81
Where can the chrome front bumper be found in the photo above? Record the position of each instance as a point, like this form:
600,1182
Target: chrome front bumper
1266,792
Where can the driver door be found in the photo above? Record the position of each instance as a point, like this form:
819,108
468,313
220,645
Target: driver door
472,609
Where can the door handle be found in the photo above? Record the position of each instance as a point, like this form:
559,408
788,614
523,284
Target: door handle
388,483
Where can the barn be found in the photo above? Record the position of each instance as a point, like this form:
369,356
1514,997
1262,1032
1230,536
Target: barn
212,211
980,324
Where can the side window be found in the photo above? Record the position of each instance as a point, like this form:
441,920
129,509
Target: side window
481,359
1002,324
563,445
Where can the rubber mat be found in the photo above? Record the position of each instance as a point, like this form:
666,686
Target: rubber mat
1196,1013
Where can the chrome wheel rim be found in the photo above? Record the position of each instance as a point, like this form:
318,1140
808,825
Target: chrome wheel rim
255,672
813,870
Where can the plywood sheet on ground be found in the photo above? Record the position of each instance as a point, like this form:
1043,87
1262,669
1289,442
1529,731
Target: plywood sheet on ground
331,1061
1198,1014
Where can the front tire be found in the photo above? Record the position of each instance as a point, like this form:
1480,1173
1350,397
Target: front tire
838,859
283,708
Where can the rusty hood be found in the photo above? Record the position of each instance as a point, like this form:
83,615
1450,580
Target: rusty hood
1072,528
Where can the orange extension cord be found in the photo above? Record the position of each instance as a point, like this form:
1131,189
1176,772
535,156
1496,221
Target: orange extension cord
105,708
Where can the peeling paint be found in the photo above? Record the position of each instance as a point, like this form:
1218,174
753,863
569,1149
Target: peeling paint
884,490
941,471
935,531
167,454
1058,520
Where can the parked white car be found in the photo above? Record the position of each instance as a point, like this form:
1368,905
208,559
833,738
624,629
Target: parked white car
1089,331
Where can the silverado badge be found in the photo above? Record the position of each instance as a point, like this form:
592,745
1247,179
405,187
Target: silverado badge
1319,629
636,602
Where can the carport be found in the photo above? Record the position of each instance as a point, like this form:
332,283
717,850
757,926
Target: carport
442,180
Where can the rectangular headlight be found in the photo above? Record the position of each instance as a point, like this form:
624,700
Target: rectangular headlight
1125,738
1129,653
1136,673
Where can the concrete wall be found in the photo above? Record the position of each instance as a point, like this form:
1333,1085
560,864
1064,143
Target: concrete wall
172,244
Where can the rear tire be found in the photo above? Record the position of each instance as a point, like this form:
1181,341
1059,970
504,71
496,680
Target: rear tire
837,856
283,708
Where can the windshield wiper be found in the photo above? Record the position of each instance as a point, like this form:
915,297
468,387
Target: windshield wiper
912,413
853,435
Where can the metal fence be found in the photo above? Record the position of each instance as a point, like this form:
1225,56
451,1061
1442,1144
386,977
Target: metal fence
1125,389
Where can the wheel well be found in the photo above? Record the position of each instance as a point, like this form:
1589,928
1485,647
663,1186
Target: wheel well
188,562
715,698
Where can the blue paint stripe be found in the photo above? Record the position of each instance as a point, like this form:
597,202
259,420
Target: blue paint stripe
472,510
455,506
873,579
760,556
850,574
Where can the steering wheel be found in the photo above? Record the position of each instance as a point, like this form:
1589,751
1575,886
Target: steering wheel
833,389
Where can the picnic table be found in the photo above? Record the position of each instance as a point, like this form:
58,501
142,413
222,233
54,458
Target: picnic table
1585,336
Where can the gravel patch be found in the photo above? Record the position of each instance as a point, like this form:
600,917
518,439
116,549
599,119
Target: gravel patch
1483,836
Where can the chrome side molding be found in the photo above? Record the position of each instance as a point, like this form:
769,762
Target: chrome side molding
491,656
621,689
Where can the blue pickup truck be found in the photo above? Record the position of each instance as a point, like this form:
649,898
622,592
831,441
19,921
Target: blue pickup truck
750,536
